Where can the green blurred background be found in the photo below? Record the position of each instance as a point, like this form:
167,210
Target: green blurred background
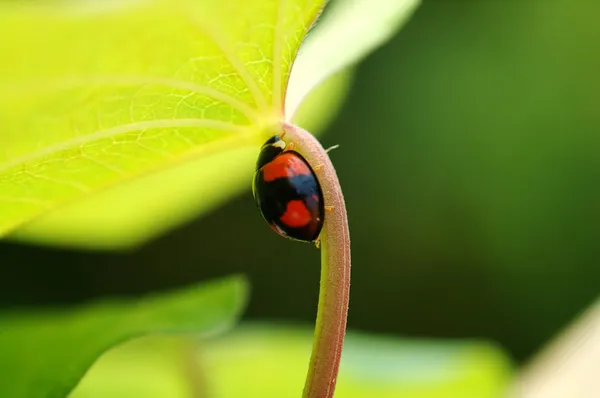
469,161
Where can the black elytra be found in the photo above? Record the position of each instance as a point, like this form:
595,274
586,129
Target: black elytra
287,192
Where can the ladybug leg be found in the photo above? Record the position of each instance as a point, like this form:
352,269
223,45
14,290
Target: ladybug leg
318,242
331,148
329,208
318,167
289,147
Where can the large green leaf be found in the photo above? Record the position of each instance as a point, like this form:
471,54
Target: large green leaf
269,361
147,114
45,354
94,96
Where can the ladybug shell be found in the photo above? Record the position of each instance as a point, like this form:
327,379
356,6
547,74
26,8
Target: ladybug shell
288,194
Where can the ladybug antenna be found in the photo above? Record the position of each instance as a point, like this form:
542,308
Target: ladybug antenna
331,148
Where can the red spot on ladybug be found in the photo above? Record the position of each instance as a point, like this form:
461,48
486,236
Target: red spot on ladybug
296,214
287,192
286,165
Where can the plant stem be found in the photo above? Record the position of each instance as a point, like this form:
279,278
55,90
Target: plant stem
332,311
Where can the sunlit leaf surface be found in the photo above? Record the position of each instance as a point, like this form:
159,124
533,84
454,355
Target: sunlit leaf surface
93,98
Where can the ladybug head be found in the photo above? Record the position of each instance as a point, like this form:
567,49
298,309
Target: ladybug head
270,150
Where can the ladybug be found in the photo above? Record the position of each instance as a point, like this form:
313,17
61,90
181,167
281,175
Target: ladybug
287,192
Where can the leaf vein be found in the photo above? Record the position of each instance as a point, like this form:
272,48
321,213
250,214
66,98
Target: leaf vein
117,130
277,54
233,59
79,187
31,201
24,89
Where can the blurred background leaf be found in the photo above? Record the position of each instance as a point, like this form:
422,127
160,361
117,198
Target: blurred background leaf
270,361
44,354
348,31
568,367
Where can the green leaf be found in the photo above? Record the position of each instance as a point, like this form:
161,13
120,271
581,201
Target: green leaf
157,366
349,30
149,113
372,366
96,96
270,361
45,354
320,107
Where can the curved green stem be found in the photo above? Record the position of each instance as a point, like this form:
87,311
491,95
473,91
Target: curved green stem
332,312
